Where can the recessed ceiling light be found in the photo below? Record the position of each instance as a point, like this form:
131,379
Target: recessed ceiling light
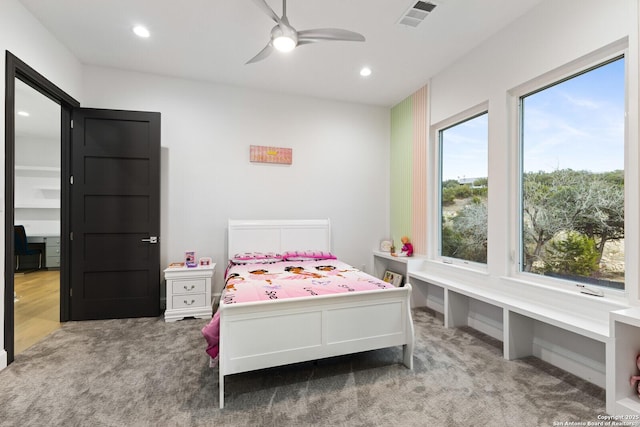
365,72
23,113
141,31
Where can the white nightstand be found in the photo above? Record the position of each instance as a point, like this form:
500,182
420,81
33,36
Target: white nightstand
188,292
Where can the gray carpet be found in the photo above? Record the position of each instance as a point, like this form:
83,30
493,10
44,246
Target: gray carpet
145,372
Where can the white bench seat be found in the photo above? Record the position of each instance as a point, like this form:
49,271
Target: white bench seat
565,318
571,321
593,338
519,314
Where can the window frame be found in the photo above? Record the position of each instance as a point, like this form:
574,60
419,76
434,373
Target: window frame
435,226
515,95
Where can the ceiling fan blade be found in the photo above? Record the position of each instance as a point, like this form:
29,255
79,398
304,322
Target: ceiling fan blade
262,4
320,34
262,54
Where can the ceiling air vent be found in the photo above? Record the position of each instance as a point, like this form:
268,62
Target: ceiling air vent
417,13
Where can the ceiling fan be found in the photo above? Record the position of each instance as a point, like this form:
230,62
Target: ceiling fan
285,38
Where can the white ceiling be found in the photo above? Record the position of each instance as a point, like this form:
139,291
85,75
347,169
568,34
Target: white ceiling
211,40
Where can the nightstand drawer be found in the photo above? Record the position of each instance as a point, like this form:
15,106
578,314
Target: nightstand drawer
186,301
189,286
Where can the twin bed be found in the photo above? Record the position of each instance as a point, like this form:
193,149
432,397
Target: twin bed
334,310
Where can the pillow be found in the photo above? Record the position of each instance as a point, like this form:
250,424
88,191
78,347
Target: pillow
256,258
307,255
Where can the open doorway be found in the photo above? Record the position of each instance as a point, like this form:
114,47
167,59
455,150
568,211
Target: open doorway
37,167
18,72
110,257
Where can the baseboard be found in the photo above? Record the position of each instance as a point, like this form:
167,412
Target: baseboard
586,361
486,327
486,318
3,359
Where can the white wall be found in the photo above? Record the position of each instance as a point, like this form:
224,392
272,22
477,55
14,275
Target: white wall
340,151
38,150
37,191
550,36
340,164
22,35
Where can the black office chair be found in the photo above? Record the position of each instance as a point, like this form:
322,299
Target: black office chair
22,248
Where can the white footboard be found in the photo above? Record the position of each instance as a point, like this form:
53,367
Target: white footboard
273,333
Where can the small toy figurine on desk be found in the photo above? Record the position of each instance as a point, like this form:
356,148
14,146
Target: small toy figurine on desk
635,379
407,247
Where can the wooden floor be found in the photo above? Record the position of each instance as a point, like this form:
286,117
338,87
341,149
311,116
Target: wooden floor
37,309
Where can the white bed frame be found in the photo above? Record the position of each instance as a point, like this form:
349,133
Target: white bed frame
264,334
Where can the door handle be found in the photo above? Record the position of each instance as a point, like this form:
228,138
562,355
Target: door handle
152,239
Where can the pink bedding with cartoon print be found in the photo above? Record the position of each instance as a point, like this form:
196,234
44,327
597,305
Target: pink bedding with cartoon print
287,279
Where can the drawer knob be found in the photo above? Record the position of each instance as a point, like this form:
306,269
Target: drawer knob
189,303
189,289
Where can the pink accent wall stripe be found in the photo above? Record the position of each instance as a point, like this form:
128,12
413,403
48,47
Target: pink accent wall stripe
419,196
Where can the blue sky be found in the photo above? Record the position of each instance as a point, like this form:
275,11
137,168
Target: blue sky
577,124
464,149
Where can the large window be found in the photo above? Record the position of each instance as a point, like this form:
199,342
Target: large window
463,189
572,177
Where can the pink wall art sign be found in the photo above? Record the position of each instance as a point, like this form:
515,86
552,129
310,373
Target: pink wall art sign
263,154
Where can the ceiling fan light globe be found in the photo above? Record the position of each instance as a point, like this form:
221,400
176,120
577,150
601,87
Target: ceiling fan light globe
284,43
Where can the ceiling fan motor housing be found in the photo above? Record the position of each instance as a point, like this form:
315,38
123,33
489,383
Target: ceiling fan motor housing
281,32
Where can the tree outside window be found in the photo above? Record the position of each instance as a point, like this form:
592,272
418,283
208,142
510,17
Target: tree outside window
464,188
572,182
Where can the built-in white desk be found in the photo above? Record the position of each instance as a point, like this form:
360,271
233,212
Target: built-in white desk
383,261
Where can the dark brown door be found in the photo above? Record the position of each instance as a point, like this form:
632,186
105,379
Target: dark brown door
115,214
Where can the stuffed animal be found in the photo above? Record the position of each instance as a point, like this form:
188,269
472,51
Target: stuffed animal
635,379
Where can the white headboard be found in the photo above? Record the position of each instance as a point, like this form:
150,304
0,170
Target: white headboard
278,235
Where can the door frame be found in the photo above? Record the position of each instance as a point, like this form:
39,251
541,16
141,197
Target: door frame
16,68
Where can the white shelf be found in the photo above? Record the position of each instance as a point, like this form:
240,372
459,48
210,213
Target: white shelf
387,255
37,187
383,261
38,170
630,316
38,204
622,398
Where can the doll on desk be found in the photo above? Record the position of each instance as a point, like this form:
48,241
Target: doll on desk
407,247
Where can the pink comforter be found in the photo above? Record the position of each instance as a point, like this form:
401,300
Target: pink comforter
287,279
